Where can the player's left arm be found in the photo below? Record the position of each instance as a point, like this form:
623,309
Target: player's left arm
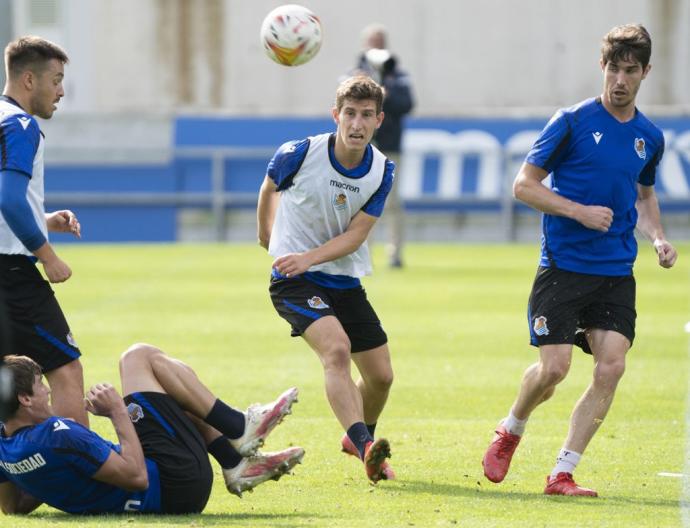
15,501
347,242
649,224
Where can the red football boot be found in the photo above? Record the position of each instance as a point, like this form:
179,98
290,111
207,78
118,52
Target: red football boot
563,484
499,454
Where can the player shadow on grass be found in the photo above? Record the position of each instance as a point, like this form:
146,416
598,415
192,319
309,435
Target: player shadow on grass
479,490
281,520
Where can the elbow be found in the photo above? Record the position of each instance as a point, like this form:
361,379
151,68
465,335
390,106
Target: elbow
518,188
138,481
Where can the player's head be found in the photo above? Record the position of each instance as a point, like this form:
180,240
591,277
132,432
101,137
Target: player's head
625,54
29,391
357,111
374,37
35,68
359,88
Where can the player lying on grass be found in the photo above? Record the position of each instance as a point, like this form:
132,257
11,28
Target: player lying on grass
166,425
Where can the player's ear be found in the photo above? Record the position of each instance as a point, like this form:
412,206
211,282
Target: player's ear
336,115
379,119
646,70
602,64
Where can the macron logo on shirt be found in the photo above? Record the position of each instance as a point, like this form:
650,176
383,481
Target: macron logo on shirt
24,121
597,137
59,425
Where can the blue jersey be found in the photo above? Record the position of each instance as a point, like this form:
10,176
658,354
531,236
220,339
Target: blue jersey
55,461
22,220
595,160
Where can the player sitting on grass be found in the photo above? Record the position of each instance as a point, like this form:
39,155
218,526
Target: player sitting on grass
167,425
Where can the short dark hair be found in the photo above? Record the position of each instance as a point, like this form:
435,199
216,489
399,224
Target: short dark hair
630,41
24,371
31,53
359,88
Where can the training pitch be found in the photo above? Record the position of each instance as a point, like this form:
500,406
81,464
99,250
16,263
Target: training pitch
456,321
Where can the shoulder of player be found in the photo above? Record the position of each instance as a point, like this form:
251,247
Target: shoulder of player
652,129
18,121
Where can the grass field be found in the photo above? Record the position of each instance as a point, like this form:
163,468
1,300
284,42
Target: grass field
456,321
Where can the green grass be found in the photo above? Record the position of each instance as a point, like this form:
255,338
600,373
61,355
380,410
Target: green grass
458,336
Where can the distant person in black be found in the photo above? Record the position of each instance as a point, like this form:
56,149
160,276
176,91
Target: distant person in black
380,64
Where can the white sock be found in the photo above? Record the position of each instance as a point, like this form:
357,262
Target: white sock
566,462
514,425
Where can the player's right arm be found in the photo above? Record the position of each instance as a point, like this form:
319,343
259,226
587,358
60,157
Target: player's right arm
15,501
126,469
528,188
269,198
17,212
280,173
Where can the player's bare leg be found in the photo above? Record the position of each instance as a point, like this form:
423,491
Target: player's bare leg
375,382
539,380
538,385
608,350
145,368
328,339
67,391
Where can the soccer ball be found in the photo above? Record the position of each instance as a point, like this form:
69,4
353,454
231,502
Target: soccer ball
291,35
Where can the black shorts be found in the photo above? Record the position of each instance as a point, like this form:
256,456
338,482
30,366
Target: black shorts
301,302
563,304
33,318
170,439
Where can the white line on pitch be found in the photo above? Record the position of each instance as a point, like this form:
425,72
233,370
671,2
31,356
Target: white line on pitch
673,475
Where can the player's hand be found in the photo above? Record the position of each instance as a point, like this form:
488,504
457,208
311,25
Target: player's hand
64,221
666,252
56,270
103,400
292,264
595,217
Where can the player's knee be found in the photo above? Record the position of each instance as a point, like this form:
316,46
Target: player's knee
138,353
610,371
337,356
383,380
554,372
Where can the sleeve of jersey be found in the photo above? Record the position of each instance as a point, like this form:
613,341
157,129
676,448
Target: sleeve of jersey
547,151
85,450
16,210
648,175
286,162
374,205
19,140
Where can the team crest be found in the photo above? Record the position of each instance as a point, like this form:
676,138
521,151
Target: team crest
317,303
540,327
70,340
340,201
639,148
135,412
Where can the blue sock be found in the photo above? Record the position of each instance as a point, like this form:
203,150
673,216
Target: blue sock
360,436
223,452
372,429
225,419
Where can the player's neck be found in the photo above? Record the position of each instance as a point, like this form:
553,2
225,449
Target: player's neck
619,113
18,97
14,424
348,158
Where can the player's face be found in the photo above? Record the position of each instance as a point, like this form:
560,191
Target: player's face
622,81
357,122
40,401
47,89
